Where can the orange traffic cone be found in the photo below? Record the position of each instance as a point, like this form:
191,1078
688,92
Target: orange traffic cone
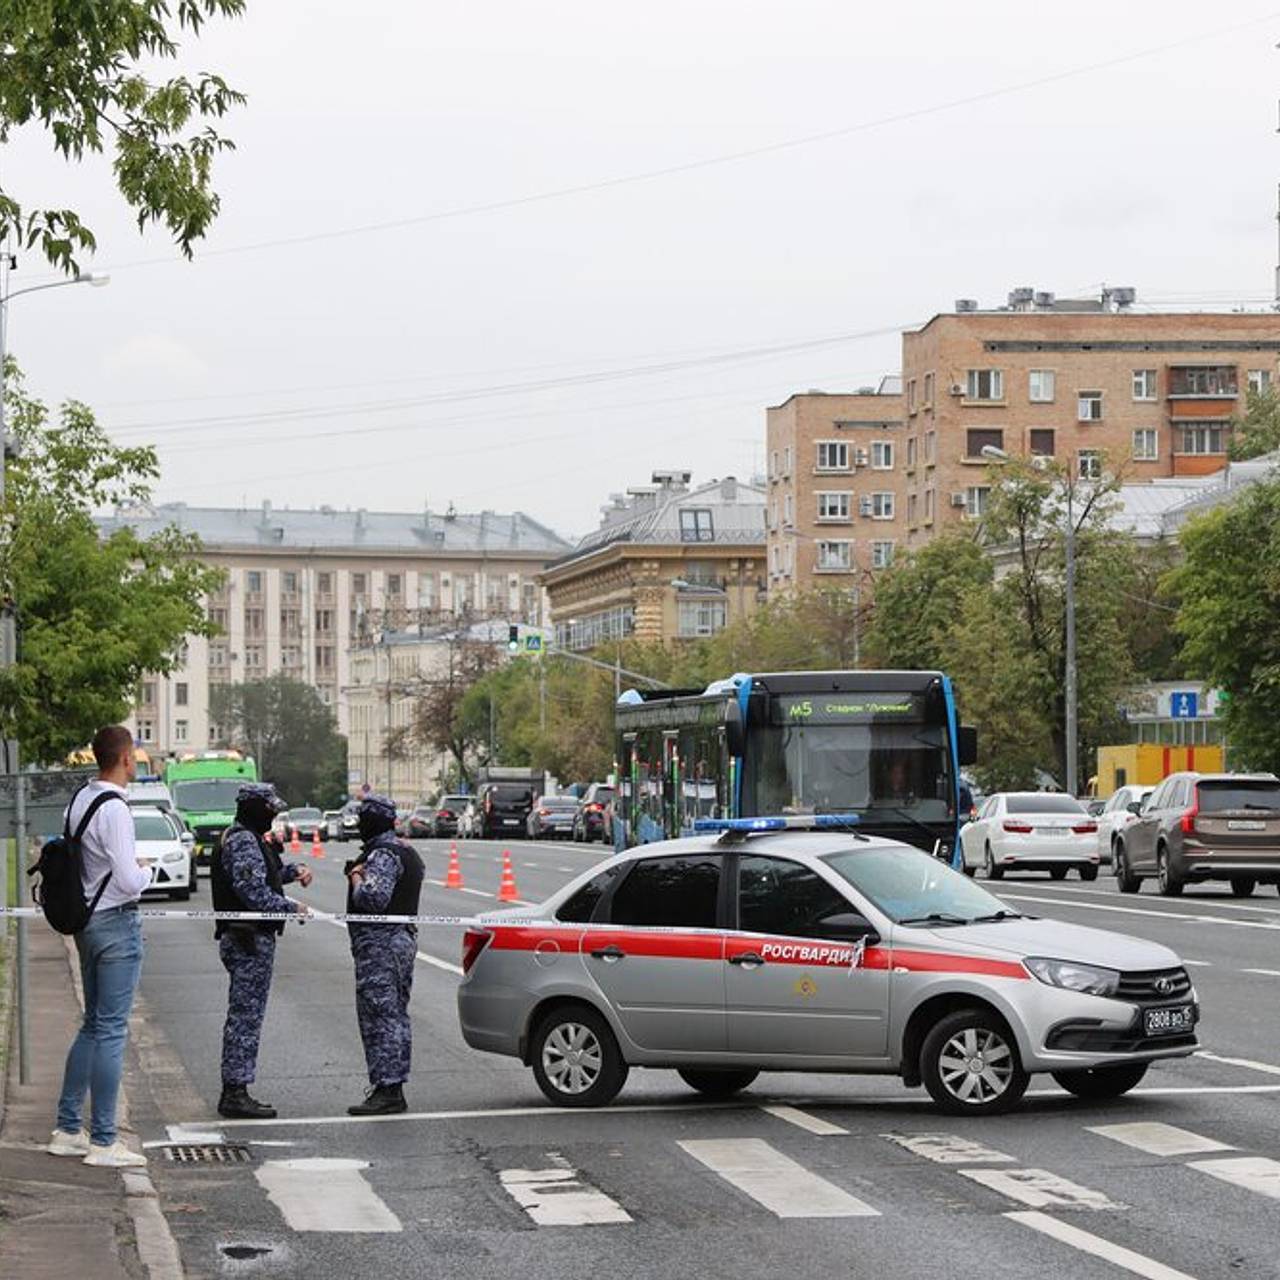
507,891
453,877
317,849
295,845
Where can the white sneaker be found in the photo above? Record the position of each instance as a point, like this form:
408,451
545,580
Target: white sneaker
116,1156
68,1144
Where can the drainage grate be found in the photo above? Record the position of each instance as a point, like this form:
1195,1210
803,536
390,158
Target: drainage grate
208,1153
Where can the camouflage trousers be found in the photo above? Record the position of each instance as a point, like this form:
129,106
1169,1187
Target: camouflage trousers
384,959
250,985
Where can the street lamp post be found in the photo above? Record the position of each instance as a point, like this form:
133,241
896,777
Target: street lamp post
1070,690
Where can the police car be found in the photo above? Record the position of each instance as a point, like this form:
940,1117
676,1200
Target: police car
782,944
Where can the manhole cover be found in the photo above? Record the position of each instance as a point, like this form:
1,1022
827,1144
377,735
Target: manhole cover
208,1153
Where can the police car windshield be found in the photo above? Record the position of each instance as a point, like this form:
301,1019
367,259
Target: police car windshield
908,885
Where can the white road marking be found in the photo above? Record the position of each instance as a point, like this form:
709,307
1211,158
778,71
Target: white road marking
315,1194
1253,1173
1198,964
568,869
1137,1263
1039,1189
785,1188
1210,904
193,1133
1181,916
446,965
1266,1068
948,1148
1158,1139
479,893
803,1120
1266,973
559,1198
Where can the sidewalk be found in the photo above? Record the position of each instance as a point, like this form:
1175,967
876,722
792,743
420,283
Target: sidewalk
58,1218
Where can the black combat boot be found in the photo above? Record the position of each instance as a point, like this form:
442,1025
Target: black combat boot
385,1100
236,1104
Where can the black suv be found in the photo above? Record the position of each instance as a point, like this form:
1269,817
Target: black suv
504,809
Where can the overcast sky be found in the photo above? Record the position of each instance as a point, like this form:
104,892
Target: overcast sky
392,368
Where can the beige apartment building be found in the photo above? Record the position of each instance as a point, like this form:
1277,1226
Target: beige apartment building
305,589
1093,383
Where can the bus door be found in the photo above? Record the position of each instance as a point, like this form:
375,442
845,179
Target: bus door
671,818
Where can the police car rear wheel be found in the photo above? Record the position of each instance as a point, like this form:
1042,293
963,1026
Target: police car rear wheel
969,1063
576,1060
1101,1082
718,1084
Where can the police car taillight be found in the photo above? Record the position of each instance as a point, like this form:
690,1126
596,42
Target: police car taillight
474,942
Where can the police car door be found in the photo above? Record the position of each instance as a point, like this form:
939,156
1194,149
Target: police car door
666,986
801,991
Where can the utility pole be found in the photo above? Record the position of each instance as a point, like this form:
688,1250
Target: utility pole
1070,682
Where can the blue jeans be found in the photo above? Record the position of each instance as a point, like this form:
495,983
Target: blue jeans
110,950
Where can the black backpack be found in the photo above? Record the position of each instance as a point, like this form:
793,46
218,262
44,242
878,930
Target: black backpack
60,892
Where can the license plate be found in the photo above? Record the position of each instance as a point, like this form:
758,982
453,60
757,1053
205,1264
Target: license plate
1239,824
511,822
1163,1022
1052,831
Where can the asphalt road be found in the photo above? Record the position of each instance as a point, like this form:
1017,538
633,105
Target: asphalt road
854,1176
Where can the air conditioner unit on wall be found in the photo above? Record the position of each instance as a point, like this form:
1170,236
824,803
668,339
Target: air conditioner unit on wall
860,458
959,500
864,506
957,388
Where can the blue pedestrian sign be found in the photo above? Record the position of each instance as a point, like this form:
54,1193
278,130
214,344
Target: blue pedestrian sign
533,644
1184,704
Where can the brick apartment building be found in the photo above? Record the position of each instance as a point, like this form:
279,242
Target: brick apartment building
1090,382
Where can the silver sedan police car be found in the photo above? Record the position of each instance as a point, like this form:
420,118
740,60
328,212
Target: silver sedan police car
763,947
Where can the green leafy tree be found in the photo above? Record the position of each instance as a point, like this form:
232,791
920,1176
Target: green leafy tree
76,68
291,733
93,614
1229,619
1258,431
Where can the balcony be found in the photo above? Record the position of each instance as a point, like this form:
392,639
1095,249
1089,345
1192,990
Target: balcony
1203,382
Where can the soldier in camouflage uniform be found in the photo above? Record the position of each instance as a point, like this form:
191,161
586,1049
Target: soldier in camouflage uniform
385,880
249,875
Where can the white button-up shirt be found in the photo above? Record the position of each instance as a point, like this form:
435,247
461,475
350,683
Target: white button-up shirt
108,844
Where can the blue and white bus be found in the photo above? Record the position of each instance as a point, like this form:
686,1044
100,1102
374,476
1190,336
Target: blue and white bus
885,745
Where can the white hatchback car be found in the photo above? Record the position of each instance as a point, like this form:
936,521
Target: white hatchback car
166,848
1031,831
1116,816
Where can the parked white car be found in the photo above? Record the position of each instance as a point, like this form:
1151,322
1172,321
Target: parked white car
1116,816
165,847
1031,831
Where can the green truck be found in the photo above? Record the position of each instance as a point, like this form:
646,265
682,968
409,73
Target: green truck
204,786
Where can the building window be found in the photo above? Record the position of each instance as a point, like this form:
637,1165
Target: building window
700,618
426,590
181,692
324,657
180,730
833,455
147,694
324,621
1144,384
529,601
882,506
930,448
881,555
1203,380
911,451
786,461
1089,464
930,502
253,582
253,622
289,582
695,525
788,510
913,510
359,584
834,557
1040,386
833,506
985,384
324,583
395,584
218,618
215,733
928,390
146,731
911,395
1259,381
1204,437
217,655
253,657
882,455
1040,442
773,465
1089,406
290,620
1146,444
979,438
975,501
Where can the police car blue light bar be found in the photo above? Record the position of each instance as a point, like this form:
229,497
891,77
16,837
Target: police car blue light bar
791,822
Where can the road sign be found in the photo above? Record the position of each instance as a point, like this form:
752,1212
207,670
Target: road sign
533,644
1184,704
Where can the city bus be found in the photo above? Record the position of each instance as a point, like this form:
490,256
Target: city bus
884,745
204,785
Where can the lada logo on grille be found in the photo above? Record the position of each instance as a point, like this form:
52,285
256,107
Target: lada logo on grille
1165,985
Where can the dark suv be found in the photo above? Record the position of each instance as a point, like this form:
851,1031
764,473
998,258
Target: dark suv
589,820
1204,826
504,809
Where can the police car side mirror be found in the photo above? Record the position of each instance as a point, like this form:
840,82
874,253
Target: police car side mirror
848,926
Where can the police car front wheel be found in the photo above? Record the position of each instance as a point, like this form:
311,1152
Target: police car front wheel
717,1084
575,1058
969,1063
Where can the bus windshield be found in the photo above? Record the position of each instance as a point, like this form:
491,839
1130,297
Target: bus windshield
207,795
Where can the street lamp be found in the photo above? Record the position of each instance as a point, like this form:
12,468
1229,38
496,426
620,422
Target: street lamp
1000,457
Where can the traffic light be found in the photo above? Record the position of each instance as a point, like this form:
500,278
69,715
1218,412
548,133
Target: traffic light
513,638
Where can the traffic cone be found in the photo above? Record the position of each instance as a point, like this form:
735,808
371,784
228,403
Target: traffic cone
507,891
453,877
295,844
317,849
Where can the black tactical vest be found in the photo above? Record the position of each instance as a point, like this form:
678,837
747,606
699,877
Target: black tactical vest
225,897
404,897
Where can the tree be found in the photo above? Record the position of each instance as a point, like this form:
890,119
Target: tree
93,614
1258,432
291,733
1229,619
75,67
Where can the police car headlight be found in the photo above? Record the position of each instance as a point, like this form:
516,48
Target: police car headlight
1088,979
176,855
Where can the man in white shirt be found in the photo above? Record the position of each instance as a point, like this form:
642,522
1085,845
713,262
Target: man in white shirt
110,948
